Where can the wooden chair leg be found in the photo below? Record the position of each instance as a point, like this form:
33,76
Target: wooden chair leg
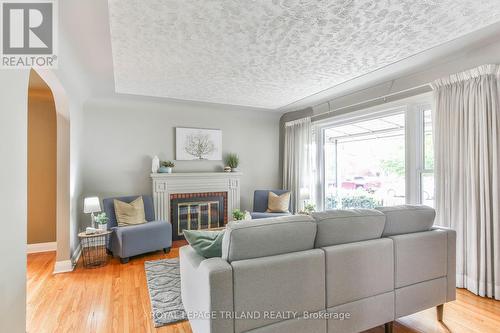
439,311
388,327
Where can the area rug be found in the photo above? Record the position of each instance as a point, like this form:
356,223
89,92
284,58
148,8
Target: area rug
164,285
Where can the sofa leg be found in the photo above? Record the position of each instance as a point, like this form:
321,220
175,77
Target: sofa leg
439,311
388,327
166,250
124,260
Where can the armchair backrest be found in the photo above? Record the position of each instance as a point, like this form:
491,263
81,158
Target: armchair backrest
260,199
109,208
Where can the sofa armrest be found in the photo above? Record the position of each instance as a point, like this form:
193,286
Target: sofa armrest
451,272
207,292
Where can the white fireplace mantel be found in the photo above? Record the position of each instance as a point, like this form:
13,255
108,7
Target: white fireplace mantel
165,184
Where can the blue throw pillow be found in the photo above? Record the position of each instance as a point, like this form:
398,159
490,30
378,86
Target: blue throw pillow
206,243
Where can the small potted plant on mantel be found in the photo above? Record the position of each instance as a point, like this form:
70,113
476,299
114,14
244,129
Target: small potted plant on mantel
102,221
232,160
166,167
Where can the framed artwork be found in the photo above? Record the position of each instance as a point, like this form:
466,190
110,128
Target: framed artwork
198,144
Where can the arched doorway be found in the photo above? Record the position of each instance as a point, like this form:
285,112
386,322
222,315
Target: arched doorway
42,166
45,78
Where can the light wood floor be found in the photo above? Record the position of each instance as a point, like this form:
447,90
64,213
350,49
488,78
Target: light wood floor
115,298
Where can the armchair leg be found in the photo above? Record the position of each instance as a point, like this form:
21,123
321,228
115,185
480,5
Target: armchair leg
166,250
124,260
439,311
388,327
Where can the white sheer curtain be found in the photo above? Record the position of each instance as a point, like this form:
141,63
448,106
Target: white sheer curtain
467,151
297,161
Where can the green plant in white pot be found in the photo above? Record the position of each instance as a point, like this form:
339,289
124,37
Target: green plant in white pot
232,160
166,167
102,221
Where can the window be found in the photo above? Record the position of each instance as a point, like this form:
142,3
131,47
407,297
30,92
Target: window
365,163
427,173
370,159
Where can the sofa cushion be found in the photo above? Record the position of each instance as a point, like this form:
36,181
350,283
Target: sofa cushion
259,215
358,270
288,282
347,226
406,219
420,256
141,238
268,237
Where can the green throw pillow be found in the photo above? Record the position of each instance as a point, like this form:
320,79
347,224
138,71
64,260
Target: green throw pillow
206,243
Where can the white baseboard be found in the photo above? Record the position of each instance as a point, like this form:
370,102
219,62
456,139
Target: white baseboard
76,255
41,247
65,266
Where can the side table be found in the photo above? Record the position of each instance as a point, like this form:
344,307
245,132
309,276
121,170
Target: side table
94,248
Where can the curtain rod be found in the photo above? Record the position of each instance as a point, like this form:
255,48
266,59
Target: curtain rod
374,101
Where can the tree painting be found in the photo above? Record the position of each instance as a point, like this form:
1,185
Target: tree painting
199,145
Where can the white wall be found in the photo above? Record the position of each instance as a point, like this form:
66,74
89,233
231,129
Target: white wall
13,198
120,136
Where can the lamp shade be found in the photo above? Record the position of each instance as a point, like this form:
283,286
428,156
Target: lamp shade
91,205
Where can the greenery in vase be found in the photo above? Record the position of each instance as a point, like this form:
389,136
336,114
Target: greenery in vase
167,164
238,215
309,208
232,160
101,218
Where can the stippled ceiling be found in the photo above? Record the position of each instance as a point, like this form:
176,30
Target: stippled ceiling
271,53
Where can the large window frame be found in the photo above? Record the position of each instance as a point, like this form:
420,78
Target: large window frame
413,109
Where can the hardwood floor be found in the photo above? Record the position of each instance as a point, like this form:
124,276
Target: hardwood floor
115,298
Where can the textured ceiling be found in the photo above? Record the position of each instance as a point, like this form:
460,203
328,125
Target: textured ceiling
271,53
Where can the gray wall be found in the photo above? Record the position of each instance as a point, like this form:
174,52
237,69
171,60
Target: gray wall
13,199
121,136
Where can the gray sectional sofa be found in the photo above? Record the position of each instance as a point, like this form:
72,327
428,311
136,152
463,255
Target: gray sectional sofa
337,271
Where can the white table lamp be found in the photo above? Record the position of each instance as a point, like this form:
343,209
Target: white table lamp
91,205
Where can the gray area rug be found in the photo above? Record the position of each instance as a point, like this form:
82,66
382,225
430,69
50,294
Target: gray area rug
164,285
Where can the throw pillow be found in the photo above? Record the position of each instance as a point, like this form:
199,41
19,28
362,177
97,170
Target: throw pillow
278,203
206,243
129,213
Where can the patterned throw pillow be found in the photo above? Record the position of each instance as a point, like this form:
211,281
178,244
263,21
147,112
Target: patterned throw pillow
129,213
278,203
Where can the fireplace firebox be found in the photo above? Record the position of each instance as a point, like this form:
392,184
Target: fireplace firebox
197,211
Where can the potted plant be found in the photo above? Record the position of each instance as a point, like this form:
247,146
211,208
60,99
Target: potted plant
309,208
232,160
102,221
238,215
166,167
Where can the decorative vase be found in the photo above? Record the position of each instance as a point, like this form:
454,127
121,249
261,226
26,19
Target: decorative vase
165,170
155,164
102,226
235,169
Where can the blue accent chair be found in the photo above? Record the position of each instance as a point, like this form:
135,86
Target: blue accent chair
260,199
133,240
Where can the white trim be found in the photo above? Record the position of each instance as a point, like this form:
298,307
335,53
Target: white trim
41,247
76,255
65,266
413,109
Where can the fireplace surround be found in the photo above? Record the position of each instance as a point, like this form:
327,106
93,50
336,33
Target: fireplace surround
196,192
